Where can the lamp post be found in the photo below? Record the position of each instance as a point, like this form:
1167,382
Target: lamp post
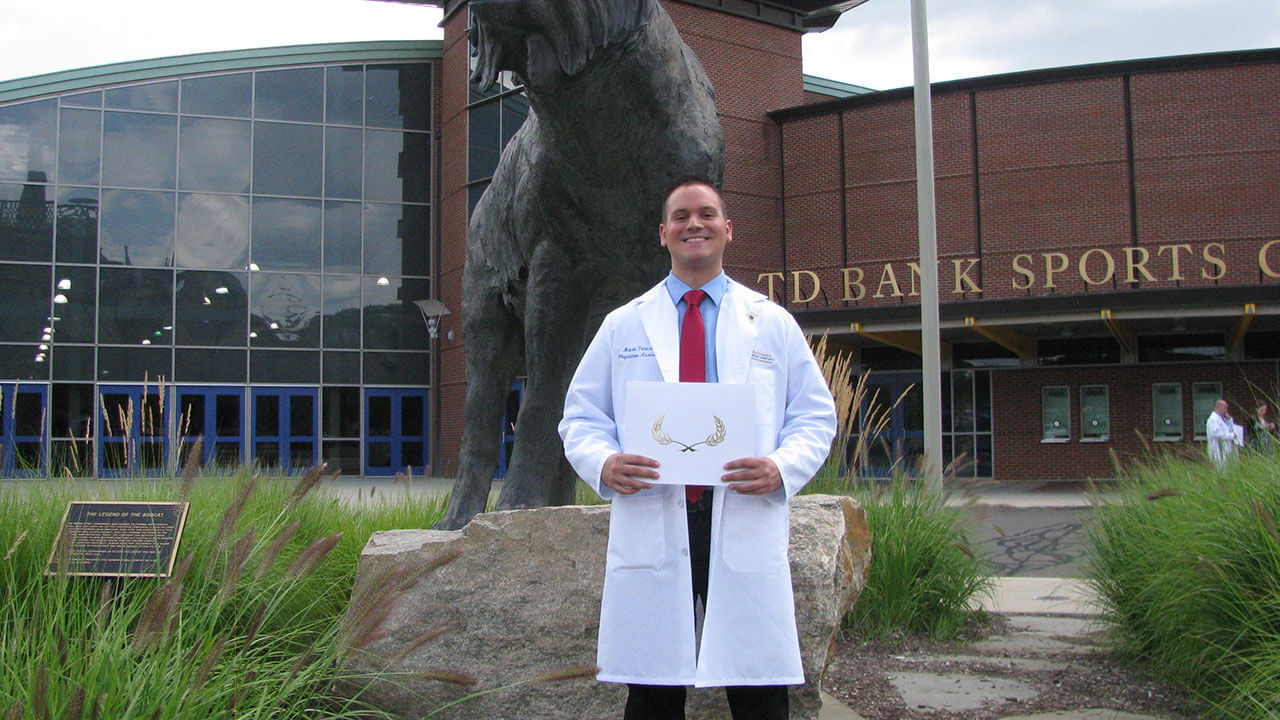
930,342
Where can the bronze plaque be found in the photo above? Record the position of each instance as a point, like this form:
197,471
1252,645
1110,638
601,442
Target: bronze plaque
119,539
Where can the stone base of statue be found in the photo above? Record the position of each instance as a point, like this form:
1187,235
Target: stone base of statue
519,605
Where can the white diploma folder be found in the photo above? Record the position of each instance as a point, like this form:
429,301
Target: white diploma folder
691,429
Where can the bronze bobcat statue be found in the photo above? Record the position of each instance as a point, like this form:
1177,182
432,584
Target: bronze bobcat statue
567,230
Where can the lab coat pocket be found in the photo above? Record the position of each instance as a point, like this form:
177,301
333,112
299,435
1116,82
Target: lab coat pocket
755,534
637,533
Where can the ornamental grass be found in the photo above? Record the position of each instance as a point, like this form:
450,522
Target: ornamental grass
1186,564
250,624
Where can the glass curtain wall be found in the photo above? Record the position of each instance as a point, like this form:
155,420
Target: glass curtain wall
269,226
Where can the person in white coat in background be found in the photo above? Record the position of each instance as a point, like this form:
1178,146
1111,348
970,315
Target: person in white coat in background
721,558
1221,432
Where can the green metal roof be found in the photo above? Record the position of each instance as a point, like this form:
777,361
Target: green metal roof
833,88
231,60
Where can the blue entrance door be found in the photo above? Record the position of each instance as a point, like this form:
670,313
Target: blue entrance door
22,428
284,423
215,414
396,431
134,439
899,443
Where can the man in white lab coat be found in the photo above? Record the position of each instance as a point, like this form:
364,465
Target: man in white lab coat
730,545
1221,432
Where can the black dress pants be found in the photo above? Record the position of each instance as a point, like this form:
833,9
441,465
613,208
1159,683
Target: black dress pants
666,702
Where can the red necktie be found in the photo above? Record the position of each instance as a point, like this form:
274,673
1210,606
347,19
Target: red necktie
693,358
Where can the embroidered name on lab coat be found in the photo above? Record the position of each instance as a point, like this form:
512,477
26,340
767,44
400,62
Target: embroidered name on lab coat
635,352
763,358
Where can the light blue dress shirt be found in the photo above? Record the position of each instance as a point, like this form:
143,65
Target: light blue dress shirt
710,308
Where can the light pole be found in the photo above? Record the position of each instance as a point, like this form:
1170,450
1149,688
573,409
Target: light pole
930,342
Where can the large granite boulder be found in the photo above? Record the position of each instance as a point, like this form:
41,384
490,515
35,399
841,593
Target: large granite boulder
518,597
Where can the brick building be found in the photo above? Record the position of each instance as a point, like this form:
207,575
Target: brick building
256,228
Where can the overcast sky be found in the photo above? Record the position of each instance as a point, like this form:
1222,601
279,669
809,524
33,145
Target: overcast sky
870,45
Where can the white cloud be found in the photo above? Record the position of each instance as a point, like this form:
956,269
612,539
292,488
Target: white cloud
38,38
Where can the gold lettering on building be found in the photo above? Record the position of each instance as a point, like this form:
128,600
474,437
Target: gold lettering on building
770,275
853,279
1174,260
1109,264
1215,260
888,278
1264,264
963,280
1051,269
1023,270
1137,265
796,275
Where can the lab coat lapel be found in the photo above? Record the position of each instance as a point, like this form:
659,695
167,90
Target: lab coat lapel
735,335
658,315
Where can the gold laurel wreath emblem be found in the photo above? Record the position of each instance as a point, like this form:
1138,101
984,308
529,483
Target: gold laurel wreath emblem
662,438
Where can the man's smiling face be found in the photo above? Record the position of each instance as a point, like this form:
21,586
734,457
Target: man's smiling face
695,231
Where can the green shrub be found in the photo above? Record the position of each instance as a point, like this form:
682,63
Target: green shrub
924,572
1186,564
250,625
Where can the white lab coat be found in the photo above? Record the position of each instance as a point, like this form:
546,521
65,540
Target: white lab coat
646,617
1222,438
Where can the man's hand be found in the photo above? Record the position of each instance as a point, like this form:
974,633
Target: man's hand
754,476
622,473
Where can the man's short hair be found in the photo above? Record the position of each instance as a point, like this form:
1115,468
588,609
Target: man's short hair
691,179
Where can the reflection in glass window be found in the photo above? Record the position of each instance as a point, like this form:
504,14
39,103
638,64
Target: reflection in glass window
73,362
1055,413
225,95
137,228
342,162
397,368
75,302
28,130
398,96
342,311
1095,413
77,225
341,367
341,412
26,221
1166,411
344,95
79,147
286,234
202,365
1204,395
91,99
134,364
286,159
484,143
341,237
284,366
397,166
214,155
139,150
1182,348
135,307
211,308
391,320
396,239
294,94
284,310
159,97
26,303
213,231
18,362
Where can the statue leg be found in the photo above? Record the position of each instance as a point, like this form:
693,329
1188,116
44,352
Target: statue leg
493,357
555,319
